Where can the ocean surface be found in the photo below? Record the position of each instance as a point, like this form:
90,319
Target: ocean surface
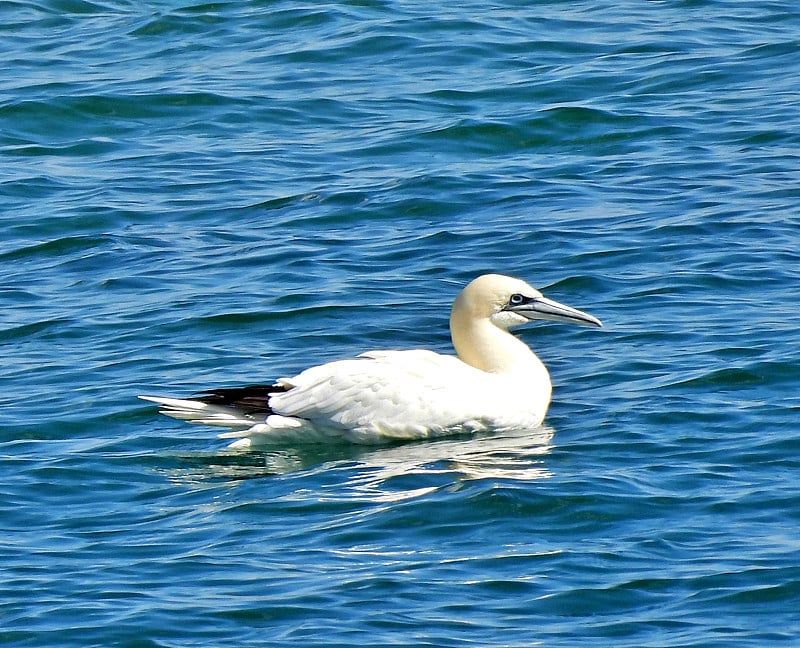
216,194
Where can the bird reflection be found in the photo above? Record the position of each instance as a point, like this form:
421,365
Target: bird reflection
388,473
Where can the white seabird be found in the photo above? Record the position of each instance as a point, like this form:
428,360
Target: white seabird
496,383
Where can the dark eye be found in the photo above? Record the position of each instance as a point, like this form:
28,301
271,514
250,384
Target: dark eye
516,299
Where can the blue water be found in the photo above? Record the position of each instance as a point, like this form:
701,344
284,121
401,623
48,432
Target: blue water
222,193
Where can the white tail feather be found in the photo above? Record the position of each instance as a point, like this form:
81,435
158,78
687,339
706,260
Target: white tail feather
202,413
176,403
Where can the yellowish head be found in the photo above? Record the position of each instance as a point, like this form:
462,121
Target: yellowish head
508,302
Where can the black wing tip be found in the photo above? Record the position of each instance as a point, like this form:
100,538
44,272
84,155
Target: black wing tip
252,399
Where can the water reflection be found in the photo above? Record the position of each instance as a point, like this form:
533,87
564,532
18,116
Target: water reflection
405,472
517,455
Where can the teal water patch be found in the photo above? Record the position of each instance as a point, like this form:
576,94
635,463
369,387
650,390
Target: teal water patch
219,194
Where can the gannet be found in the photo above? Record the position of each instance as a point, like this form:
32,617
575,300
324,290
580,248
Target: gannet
496,382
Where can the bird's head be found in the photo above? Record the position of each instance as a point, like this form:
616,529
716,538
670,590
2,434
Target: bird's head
508,302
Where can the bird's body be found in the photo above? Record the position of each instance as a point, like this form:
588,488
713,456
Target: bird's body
496,382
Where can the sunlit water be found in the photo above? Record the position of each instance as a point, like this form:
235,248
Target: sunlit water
213,194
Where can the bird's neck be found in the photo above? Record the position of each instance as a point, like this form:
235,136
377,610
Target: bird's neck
483,345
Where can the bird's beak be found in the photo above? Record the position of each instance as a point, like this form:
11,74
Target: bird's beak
542,308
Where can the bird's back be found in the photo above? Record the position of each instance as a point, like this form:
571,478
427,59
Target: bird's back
407,394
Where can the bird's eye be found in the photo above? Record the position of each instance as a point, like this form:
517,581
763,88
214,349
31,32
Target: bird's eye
516,299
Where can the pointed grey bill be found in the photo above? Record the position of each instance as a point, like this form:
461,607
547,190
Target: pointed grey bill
542,308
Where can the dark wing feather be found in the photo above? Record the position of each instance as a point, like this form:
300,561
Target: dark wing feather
253,399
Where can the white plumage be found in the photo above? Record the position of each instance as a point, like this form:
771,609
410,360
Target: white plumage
496,382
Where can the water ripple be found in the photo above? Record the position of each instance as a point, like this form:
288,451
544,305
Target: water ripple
199,194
